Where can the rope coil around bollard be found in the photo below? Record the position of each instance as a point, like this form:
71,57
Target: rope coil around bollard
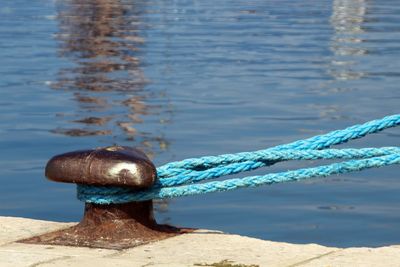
181,178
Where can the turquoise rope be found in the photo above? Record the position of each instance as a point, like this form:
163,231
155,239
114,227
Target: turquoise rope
316,142
265,158
100,196
177,178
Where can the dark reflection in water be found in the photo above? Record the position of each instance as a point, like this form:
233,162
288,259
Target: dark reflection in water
102,39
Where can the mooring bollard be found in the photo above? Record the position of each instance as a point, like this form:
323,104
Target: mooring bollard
113,226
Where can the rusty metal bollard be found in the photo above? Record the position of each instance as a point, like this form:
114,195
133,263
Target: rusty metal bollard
113,226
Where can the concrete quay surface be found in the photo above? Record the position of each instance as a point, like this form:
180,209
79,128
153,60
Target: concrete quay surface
200,248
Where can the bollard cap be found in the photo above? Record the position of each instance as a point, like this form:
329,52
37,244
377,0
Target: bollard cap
108,166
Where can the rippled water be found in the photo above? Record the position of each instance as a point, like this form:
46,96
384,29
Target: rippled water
188,78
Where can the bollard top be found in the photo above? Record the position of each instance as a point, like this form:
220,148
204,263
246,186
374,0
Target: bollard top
108,166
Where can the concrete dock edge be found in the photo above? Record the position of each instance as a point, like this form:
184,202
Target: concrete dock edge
201,248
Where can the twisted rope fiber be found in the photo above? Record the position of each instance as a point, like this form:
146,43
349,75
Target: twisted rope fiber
127,195
177,178
316,142
274,156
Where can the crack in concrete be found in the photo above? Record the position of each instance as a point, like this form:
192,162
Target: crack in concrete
314,258
49,261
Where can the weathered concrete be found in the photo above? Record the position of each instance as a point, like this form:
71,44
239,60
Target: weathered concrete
201,248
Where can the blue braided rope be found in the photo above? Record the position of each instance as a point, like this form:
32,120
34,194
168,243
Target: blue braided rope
316,142
177,178
101,195
265,157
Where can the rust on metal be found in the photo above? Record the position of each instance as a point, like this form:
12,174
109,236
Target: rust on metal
109,166
114,226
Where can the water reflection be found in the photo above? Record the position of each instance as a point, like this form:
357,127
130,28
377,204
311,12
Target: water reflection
102,40
347,19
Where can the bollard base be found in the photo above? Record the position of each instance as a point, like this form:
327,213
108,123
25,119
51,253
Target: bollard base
114,226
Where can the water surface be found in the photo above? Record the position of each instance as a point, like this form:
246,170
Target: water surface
182,79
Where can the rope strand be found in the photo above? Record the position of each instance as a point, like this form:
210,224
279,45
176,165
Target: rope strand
180,178
93,194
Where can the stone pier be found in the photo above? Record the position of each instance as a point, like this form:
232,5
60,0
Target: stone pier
199,248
